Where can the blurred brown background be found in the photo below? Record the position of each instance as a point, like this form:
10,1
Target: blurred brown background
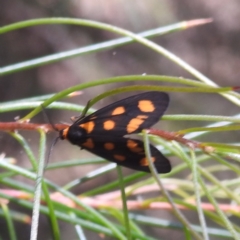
212,49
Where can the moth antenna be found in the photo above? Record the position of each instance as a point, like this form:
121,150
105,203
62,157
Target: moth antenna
51,149
47,119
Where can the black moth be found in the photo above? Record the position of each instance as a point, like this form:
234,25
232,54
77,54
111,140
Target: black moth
102,132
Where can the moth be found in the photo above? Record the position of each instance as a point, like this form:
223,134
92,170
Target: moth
103,132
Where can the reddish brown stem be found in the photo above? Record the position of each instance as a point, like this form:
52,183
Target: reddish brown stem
179,138
13,126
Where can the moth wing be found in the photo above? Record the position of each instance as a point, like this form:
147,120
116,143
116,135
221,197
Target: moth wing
127,116
126,152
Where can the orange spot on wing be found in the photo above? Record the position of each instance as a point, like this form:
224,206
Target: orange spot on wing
108,125
109,146
131,143
118,110
146,106
119,157
133,146
89,143
144,161
142,116
134,124
88,126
